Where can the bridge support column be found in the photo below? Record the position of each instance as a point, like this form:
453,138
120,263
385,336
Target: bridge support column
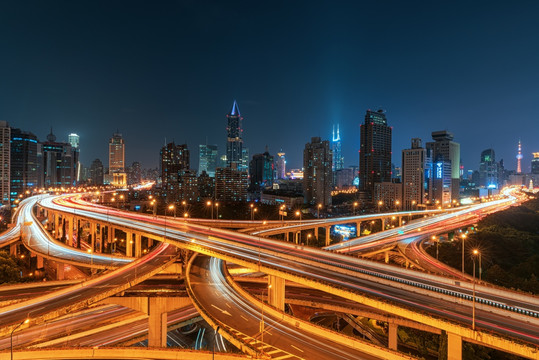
392,336
92,236
128,244
138,246
56,226
287,236
454,347
383,223
39,262
276,290
150,242
316,233
400,220
157,322
13,249
59,271
358,229
328,239
386,257
70,224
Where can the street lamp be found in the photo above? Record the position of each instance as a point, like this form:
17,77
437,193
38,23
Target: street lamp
355,206
463,236
308,238
413,204
217,208
397,205
214,340
319,206
172,207
437,242
210,205
26,321
380,203
91,256
252,211
475,253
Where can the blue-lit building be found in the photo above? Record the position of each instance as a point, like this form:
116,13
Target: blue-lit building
261,171
24,165
488,170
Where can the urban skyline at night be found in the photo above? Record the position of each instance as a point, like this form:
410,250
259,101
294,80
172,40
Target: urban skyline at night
318,68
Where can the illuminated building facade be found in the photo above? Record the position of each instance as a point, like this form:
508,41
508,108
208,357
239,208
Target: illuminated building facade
488,170
280,165
374,153
59,163
234,143
5,156
261,171
174,162
207,159
415,169
24,168
445,151
318,174
230,185
338,160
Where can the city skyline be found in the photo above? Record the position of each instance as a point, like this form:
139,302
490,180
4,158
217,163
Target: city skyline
79,77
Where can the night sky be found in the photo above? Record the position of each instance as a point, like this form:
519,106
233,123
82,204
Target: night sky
171,69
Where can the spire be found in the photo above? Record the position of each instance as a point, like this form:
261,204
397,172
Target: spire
51,137
235,110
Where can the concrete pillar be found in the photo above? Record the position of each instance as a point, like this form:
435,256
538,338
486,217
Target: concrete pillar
92,236
276,291
392,336
138,246
316,233
454,347
59,271
150,242
70,225
287,236
328,239
358,228
56,225
400,220
383,223
128,244
13,249
157,323
39,262
386,257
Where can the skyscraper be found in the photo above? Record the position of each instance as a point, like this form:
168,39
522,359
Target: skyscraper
415,166
234,143
59,163
338,160
23,162
116,154
374,153
445,152
261,171
207,159
280,165
73,139
535,163
5,156
174,161
96,172
230,185
318,175
488,170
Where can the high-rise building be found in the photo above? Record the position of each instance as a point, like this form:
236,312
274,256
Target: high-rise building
23,162
5,156
519,158
230,185
73,140
261,171
535,163
59,163
415,166
207,159
96,172
244,165
134,174
234,143
318,175
280,165
116,154
374,153
338,160
206,186
488,170
174,161
445,151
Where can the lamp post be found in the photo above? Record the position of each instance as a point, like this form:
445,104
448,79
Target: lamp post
397,205
172,207
355,206
413,204
308,239
217,208
475,253
318,210
437,242
380,203
209,203
463,236
252,211
184,203
26,321
214,340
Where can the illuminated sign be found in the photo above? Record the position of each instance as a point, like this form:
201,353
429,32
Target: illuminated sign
439,170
